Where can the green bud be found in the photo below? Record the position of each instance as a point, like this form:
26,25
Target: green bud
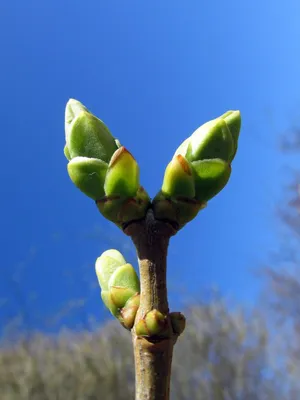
120,210
73,109
120,286
178,179
211,140
67,153
129,311
106,298
156,322
88,175
178,322
179,210
153,324
101,168
199,170
120,295
106,265
122,178
90,137
86,135
233,121
124,277
211,176
183,148
215,139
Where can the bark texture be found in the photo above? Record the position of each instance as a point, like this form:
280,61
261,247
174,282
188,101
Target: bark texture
153,355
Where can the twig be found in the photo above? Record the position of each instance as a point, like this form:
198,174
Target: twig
153,355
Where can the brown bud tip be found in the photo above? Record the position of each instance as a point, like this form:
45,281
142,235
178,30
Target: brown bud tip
178,322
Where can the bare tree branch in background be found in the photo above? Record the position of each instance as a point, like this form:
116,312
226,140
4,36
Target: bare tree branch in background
224,355
283,278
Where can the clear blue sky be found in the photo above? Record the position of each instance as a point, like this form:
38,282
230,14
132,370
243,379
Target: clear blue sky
154,72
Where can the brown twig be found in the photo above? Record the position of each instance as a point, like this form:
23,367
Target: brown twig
153,355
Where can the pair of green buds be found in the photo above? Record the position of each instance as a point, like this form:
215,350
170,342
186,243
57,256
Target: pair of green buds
200,169
107,172
120,292
101,168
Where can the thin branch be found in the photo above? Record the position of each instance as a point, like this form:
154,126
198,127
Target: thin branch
153,355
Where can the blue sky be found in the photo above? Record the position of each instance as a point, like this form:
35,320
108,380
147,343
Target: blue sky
154,72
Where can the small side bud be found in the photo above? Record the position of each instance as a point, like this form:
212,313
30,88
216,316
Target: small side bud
120,286
178,322
128,312
153,324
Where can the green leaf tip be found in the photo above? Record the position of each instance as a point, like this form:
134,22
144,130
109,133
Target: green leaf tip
199,170
120,286
101,167
73,109
89,137
178,179
211,140
122,178
67,153
234,121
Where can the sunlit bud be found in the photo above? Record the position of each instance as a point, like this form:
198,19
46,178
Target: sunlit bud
153,324
128,312
90,137
106,265
122,178
88,175
178,179
211,176
120,286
